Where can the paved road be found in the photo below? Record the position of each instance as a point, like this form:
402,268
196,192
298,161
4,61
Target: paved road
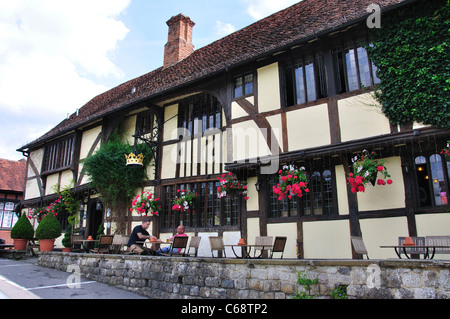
24,279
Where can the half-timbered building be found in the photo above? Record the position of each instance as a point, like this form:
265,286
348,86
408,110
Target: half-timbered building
295,88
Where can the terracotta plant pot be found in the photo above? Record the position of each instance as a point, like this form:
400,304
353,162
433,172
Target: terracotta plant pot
66,249
46,244
20,244
241,241
408,242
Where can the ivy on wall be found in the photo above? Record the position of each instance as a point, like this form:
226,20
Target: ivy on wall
116,182
412,53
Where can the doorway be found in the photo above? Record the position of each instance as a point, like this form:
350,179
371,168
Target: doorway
94,217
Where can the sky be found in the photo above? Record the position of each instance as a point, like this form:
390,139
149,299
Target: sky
56,55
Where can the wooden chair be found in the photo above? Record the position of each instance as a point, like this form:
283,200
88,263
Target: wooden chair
119,242
194,243
278,246
76,240
104,244
265,242
33,244
216,243
358,246
179,242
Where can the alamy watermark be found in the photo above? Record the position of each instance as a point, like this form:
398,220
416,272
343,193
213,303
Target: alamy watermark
374,19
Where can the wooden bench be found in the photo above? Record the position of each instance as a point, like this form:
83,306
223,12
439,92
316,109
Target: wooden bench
32,245
419,241
439,241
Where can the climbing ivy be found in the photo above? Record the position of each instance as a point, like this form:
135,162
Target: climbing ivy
116,182
412,53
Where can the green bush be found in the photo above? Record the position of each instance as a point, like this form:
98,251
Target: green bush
48,228
67,241
22,229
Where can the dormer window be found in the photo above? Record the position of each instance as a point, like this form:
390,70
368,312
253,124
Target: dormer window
243,85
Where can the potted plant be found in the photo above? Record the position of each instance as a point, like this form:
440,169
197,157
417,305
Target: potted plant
67,241
293,181
365,169
47,231
185,200
231,186
145,203
21,232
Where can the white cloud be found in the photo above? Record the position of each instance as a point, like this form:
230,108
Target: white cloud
53,52
53,56
223,29
259,9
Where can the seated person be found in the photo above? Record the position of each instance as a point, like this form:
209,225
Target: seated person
167,250
140,233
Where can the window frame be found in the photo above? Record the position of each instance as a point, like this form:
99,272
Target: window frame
445,170
242,78
291,86
298,203
215,212
341,69
3,210
59,154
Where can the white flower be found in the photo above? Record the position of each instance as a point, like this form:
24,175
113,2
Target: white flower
359,169
366,174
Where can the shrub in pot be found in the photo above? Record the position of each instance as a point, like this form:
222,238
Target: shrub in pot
21,232
47,230
66,241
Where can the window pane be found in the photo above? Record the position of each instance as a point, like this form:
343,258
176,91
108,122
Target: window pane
437,173
352,77
317,192
300,85
7,218
364,70
248,84
321,78
238,88
327,192
310,80
422,181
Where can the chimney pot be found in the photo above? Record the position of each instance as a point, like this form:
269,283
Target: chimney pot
179,43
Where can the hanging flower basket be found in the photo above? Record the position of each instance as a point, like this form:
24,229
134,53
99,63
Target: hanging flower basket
185,201
145,204
56,207
231,187
366,169
446,150
293,182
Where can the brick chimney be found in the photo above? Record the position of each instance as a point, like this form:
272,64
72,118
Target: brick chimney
179,43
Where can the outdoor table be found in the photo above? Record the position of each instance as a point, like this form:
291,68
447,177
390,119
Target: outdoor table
6,246
427,248
247,249
86,243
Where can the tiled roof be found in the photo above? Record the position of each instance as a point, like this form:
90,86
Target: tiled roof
12,175
282,29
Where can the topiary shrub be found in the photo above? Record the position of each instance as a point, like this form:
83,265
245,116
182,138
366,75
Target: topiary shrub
48,228
22,229
67,241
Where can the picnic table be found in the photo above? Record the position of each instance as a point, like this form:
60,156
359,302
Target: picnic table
246,249
414,250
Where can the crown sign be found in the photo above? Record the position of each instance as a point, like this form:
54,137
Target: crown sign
135,160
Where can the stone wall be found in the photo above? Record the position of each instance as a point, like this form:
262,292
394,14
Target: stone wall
219,278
